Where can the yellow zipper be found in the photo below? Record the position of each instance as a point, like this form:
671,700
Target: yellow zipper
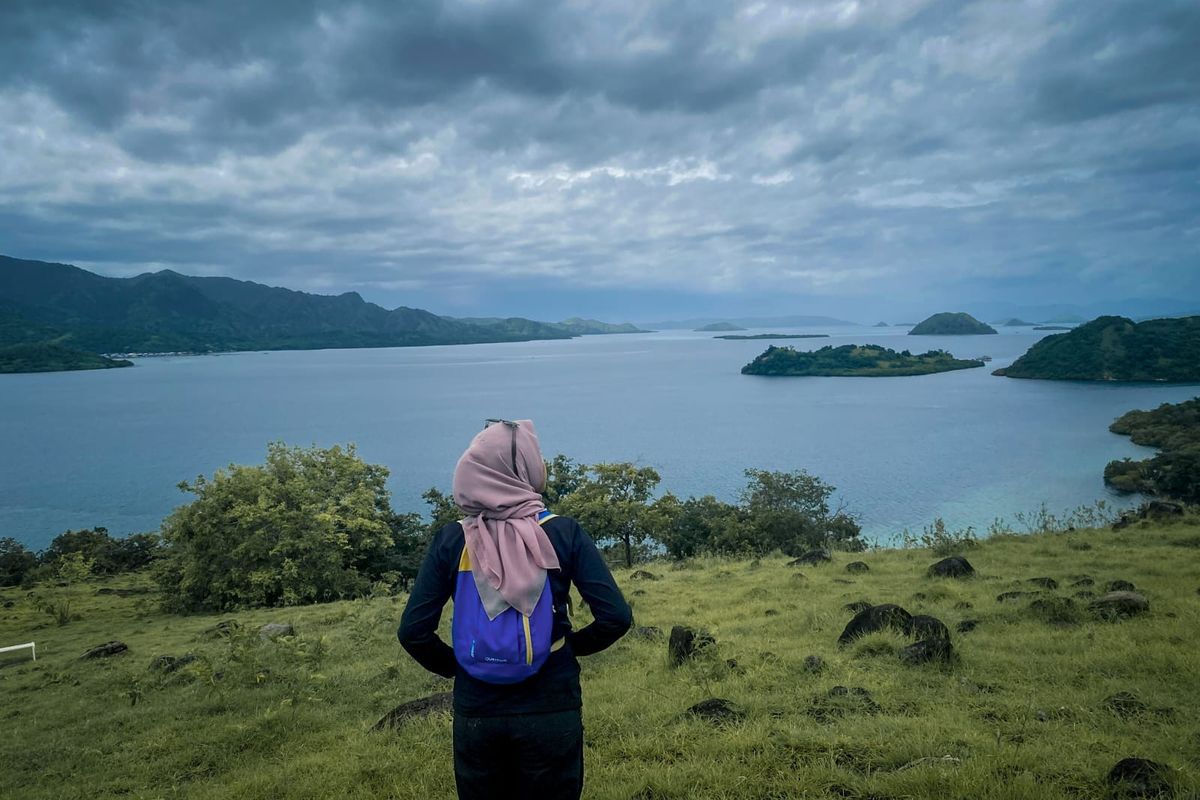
528,640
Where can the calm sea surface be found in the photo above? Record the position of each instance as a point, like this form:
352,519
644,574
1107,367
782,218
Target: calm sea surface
108,447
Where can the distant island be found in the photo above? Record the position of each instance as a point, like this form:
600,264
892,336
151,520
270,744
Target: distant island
1052,328
1174,428
164,312
881,325
951,324
53,358
1017,323
785,321
850,360
719,326
1116,349
735,337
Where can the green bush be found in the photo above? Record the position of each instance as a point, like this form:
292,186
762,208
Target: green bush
16,560
308,525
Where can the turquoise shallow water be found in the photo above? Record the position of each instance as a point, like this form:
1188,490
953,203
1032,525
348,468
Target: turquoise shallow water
108,448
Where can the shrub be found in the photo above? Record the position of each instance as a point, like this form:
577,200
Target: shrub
789,511
308,525
16,560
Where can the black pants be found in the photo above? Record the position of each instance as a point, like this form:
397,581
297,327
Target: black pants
526,755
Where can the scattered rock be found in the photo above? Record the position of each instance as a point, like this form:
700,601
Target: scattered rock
858,567
1045,583
1120,604
967,625
840,701
1162,508
933,640
1086,580
962,605
171,663
105,650
843,580
718,710
1084,594
643,575
273,630
771,612
223,628
857,606
952,567
813,664
813,558
875,618
648,632
638,592
1012,597
920,596
686,643
1125,704
1139,777
926,650
1055,610
1119,586
422,707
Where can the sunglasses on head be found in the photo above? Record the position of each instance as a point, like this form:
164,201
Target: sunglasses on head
512,428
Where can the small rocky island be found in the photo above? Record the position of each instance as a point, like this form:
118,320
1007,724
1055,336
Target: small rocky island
53,358
867,361
951,324
1116,349
719,326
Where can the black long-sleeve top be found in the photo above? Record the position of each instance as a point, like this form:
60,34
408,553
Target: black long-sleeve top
555,687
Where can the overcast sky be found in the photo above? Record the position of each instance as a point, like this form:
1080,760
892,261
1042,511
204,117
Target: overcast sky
626,160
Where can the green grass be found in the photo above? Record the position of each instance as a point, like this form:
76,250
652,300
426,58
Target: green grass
1020,714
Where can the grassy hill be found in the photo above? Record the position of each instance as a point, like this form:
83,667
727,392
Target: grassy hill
1116,349
1021,712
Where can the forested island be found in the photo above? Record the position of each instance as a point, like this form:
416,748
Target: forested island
60,305
53,358
1174,428
736,338
951,324
1052,328
851,360
1116,349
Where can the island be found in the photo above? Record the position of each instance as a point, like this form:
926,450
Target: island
1116,349
45,304
951,324
53,358
1017,323
719,326
736,337
851,360
881,325
1174,472
1052,327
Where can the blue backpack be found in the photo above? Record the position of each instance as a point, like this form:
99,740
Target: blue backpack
509,648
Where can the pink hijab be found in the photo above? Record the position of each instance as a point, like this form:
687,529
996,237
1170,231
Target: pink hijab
497,482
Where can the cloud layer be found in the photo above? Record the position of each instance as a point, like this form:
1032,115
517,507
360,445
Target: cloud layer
485,156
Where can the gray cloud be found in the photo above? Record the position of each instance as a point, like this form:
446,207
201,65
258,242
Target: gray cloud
818,153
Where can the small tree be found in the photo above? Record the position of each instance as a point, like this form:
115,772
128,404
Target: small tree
789,511
613,505
700,525
308,525
15,561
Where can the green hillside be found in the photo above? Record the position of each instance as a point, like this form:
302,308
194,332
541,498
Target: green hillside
52,358
169,312
1039,701
1116,349
850,360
